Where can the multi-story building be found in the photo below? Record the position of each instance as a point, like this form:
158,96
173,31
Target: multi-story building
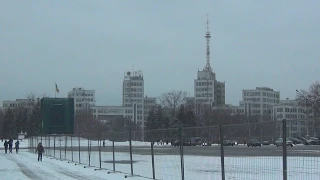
149,104
259,101
111,113
207,90
133,97
84,99
16,104
299,118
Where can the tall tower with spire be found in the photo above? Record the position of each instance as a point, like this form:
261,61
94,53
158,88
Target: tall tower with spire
208,36
207,90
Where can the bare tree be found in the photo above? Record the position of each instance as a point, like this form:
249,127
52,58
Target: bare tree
311,97
172,100
1,123
85,123
33,100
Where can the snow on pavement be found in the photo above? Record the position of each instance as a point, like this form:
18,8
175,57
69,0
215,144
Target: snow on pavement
24,166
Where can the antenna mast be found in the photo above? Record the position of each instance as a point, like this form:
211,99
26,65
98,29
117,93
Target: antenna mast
208,36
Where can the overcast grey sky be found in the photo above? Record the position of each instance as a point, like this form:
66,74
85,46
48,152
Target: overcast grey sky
80,43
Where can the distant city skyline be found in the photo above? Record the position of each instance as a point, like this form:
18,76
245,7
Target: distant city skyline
91,44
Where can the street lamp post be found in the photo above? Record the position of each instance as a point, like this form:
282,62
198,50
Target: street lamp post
249,115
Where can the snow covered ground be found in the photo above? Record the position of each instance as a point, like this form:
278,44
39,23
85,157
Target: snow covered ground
74,141
200,167
24,166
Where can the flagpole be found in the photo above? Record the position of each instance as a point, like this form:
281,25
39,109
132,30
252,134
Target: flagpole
55,90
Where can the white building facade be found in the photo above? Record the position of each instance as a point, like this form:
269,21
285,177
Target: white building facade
84,100
111,113
259,101
149,104
299,118
16,104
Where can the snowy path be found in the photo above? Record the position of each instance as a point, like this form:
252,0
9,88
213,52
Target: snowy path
25,166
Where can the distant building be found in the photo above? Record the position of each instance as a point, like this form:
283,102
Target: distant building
84,100
259,101
149,104
207,89
298,116
110,113
16,104
133,97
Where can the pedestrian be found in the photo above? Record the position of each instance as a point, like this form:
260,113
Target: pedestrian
6,146
17,146
104,143
40,150
10,144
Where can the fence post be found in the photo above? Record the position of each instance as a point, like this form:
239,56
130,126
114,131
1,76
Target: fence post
89,150
45,144
79,148
284,146
152,158
65,148
181,152
50,145
60,145
71,149
113,155
130,146
223,177
54,146
99,144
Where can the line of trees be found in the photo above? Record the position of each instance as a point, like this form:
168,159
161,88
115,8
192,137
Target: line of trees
21,119
173,112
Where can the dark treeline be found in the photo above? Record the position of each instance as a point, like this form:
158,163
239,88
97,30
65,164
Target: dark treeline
171,112
25,118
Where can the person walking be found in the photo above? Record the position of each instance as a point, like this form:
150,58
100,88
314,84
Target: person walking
17,146
6,144
40,150
10,144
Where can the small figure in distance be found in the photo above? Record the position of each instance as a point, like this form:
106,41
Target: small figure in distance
6,144
10,144
40,150
17,146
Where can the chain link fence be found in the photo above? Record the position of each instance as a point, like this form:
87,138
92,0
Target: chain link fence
267,150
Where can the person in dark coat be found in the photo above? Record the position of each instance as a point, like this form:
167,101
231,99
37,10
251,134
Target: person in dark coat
10,144
17,146
6,144
40,150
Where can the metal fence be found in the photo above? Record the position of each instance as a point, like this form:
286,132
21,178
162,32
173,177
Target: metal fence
245,151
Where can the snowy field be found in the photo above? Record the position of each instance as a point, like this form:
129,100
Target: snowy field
196,167
24,166
205,168
74,141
